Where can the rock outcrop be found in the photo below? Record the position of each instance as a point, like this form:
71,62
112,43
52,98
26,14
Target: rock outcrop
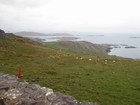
2,33
13,92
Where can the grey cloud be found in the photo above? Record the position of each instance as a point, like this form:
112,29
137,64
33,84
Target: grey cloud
24,3
71,15
7,1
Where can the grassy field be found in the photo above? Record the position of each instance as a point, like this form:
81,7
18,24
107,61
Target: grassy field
108,81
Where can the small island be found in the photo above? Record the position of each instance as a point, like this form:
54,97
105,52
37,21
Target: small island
130,47
123,44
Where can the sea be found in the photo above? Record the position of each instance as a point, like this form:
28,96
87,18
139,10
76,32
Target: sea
118,42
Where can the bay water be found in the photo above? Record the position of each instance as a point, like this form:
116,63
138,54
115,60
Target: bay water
121,41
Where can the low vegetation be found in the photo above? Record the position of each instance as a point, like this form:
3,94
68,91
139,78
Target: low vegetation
80,47
107,80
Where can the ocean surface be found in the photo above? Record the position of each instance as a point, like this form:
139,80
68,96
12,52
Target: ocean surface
119,42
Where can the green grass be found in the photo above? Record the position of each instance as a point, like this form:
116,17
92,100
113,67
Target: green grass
80,47
114,83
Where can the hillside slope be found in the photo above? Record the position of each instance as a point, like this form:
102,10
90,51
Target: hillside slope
80,47
91,78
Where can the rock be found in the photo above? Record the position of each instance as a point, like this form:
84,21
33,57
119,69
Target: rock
60,99
13,92
1,102
2,33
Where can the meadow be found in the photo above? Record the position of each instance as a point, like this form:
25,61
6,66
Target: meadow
106,80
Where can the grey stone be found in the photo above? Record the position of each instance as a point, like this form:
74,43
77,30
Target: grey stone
60,99
1,102
13,92
2,33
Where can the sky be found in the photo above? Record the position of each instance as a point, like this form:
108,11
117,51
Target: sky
87,16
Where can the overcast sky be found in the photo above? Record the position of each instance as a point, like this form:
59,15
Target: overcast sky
90,16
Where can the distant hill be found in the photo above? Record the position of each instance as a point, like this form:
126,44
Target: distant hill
26,33
81,47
